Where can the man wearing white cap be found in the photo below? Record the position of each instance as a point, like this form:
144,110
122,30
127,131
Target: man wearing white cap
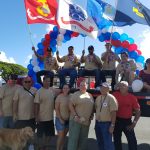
127,105
106,106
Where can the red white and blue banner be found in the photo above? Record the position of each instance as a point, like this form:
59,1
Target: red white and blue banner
73,15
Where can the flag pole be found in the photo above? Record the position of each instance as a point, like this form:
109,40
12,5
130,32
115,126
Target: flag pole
30,34
84,43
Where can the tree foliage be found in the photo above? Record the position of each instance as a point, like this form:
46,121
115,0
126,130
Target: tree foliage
9,68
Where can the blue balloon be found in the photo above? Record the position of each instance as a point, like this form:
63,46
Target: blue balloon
118,50
64,41
137,72
68,32
53,35
41,65
54,49
56,29
39,61
40,51
107,35
34,77
123,37
30,67
37,85
30,73
40,46
53,43
115,36
133,55
124,50
67,37
101,37
140,59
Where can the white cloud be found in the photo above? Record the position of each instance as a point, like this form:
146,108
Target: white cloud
27,59
49,28
5,58
144,45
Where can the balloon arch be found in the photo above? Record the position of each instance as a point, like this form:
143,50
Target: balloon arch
121,43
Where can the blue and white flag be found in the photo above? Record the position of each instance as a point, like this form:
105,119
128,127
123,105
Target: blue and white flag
73,15
127,12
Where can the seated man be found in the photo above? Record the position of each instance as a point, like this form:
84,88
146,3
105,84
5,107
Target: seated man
93,65
126,68
109,59
70,62
50,65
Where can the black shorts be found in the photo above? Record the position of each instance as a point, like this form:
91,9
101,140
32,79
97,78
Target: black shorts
45,128
25,123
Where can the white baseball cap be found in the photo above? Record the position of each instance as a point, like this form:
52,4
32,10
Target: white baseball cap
105,84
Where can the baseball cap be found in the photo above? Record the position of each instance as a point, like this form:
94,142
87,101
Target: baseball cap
105,84
49,49
108,43
124,83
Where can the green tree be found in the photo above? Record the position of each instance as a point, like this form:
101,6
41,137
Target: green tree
9,68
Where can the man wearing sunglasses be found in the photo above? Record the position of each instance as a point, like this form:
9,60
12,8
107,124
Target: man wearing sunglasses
23,105
6,99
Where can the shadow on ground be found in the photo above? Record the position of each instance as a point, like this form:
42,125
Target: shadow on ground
92,145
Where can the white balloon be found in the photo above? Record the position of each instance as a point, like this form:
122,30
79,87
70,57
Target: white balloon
34,56
59,43
60,37
36,68
137,85
34,62
62,31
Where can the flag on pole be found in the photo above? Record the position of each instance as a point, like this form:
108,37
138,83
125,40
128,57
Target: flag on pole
127,12
41,11
73,15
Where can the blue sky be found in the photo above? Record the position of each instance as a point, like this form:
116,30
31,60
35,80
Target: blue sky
15,44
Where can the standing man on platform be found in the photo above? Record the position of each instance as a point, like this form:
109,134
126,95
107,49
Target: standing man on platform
109,59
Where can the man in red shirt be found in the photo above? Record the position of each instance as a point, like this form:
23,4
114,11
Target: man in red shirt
127,105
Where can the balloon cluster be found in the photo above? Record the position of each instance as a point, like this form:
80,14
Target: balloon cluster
121,43
53,39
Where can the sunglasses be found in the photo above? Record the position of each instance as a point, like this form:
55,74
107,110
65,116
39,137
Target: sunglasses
27,81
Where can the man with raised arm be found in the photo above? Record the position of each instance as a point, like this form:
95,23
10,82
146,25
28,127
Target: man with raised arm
69,68
50,65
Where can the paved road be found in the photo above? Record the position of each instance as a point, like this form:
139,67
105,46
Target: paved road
142,131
